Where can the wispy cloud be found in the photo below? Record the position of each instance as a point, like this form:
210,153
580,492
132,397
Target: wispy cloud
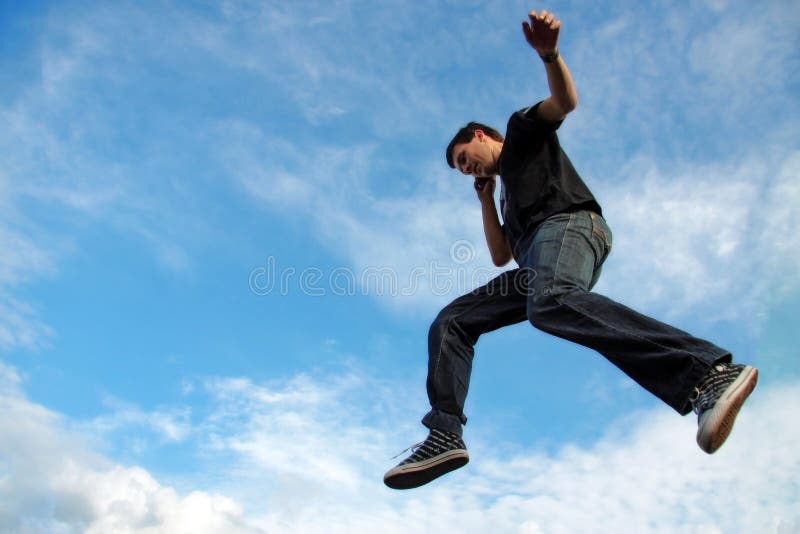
307,454
682,216
711,238
110,133
331,188
20,326
338,60
680,84
353,99
24,257
166,425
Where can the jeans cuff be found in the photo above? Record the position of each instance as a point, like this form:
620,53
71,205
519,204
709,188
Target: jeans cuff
444,421
682,404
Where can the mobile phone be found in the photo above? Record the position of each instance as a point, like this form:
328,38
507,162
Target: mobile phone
481,182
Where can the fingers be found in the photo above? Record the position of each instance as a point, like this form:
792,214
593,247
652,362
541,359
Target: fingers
481,183
526,29
542,31
543,19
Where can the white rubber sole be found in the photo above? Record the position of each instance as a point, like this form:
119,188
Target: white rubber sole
716,424
416,474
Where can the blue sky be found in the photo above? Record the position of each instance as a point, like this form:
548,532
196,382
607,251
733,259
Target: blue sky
162,164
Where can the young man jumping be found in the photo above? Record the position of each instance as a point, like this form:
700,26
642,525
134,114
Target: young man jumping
554,229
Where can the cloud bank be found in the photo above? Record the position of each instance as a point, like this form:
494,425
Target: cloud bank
307,454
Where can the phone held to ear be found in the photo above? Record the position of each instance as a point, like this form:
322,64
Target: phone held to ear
481,182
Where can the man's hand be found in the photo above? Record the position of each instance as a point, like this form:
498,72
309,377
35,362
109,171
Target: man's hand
542,32
485,189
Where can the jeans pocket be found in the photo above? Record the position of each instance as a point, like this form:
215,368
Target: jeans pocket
602,234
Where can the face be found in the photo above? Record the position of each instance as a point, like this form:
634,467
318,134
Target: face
476,158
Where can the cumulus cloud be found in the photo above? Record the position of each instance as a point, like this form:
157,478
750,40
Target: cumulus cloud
307,455
646,473
52,481
648,476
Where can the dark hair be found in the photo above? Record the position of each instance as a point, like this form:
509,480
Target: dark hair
466,134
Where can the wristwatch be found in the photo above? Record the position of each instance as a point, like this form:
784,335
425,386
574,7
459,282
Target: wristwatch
550,58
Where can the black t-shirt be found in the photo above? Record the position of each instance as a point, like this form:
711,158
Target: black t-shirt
538,180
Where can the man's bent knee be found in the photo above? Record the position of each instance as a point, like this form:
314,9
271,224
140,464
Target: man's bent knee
546,307
441,324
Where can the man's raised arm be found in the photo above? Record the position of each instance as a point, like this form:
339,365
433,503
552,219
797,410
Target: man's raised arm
542,34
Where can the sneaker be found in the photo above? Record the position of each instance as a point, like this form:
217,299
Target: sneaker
717,401
440,453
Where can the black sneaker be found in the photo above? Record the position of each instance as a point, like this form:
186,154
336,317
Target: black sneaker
439,454
717,401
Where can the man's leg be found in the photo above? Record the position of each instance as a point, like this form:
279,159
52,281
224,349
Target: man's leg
452,338
566,254
451,342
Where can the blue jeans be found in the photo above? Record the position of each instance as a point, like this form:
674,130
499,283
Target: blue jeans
559,265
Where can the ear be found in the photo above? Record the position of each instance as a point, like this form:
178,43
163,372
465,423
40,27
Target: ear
480,135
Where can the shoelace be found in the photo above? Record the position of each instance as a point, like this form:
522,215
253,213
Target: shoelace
706,395
436,441
412,448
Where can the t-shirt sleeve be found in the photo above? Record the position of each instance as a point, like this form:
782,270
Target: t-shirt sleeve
529,121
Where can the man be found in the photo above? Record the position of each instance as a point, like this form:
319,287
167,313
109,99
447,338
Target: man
553,227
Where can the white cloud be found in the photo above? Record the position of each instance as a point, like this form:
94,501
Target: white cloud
20,325
170,425
756,56
48,164
407,237
646,473
301,433
129,499
280,436
258,163
657,80
51,481
686,230
24,257
68,147
388,94
64,61
307,455
713,239
340,61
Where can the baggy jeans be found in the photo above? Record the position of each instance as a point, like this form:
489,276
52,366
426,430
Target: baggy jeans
552,290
